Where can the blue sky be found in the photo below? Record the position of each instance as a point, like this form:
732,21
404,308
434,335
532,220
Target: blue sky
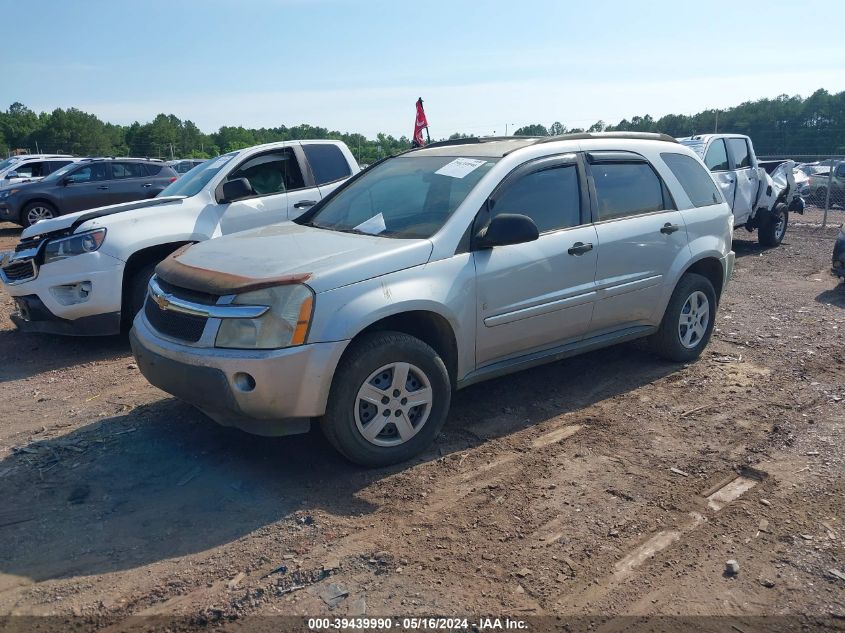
359,65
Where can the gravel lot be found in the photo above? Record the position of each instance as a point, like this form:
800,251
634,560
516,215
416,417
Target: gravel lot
579,488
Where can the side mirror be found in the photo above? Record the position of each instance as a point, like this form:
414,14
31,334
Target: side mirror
67,180
507,228
12,174
236,189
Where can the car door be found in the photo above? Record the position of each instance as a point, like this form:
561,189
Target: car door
538,294
640,234
85,188
716,160
271,175
747,179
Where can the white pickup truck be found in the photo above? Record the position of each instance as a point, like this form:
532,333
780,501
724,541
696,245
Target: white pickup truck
86,273
761,195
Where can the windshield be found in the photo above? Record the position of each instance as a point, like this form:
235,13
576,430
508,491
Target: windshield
5,164
405,197
192,183
696,146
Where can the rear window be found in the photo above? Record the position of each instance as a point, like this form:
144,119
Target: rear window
327,162
695,180
624,189
153,168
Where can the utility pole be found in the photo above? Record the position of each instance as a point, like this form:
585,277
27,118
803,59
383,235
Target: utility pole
37,151
716,130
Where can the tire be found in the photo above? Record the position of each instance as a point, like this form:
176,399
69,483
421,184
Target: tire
136,293
674,341
370,365
773,228
35,211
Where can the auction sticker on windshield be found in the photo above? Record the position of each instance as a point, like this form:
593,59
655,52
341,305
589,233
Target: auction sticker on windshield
373,226
460,167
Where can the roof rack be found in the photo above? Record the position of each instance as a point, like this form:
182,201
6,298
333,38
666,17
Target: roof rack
641,136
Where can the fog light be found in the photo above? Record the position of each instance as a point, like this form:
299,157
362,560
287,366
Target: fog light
244,382
71,294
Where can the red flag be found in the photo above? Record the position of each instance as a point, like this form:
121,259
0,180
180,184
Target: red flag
420,124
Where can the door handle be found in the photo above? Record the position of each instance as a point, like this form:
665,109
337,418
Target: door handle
304,203
147,184
668,229
579,248
102,187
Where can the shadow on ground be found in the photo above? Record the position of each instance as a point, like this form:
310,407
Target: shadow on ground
834,296
163,481
24,355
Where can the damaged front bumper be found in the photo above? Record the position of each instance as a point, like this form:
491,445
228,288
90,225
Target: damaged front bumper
265,392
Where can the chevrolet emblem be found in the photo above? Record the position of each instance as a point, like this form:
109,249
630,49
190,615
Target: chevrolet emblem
161,301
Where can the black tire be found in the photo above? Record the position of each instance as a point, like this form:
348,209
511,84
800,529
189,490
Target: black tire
771,231
666,342
361,361
44,211
136,293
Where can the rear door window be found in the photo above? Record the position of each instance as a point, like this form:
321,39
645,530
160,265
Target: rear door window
55,165
625,189
327,162
695,180
716,158
741,155
551,197
127,170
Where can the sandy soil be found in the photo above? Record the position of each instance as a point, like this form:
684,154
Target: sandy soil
576,489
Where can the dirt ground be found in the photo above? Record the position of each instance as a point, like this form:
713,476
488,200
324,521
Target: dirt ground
576,489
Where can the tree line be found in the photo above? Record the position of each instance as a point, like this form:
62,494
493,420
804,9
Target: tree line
782,126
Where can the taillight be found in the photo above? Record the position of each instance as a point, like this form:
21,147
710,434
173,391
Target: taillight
173,179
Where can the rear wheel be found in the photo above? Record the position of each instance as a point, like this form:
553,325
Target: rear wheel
773,228
37,211
389,399
688,321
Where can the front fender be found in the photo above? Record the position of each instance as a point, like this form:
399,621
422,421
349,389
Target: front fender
445,288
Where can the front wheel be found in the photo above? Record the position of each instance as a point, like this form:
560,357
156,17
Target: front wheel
390,397
773,228
688,321
37,211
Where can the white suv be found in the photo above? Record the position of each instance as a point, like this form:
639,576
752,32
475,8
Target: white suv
86,273
31,167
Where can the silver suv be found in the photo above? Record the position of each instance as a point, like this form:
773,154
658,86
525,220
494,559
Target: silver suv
434,270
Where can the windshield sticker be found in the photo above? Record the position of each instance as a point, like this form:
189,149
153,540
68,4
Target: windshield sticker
460,167
373,226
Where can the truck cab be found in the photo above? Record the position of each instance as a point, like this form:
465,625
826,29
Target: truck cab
759,195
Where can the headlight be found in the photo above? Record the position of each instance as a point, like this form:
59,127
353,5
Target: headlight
8,192
87,242
285,324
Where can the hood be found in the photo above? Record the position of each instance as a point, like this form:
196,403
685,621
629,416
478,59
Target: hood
69,222
289,253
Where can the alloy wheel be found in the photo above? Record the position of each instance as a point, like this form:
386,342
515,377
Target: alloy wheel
38,213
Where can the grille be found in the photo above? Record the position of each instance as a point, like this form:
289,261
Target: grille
19,271
184,327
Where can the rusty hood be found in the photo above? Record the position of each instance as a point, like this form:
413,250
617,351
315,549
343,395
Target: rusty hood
289,253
